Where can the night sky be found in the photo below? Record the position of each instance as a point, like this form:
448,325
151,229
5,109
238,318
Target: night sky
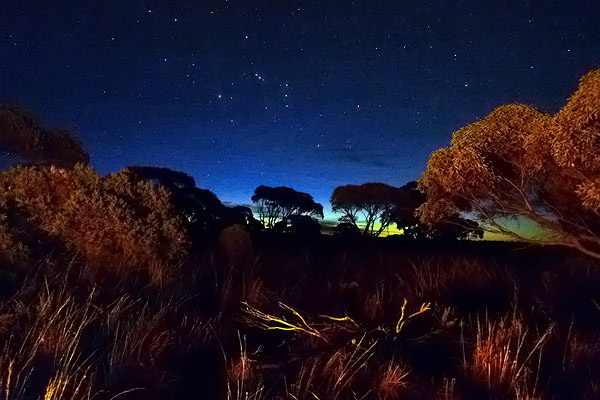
310,95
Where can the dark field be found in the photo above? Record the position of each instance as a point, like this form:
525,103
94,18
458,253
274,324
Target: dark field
282,317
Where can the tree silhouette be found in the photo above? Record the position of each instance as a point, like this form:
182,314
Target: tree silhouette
22,136
347,229
378,202
374,201
519,162
279,204
302,225
166,177
201,210
454,228
405,202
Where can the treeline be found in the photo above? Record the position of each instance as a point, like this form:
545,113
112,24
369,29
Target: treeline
515,163
146,214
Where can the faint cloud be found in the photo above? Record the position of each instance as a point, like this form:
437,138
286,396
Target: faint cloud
233,204
367,158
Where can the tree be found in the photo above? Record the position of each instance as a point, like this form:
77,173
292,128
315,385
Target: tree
384,204
301,225
455,228
277,204
374,201
119,220
22,136
347,229
12,249
521,163
201,210
405,202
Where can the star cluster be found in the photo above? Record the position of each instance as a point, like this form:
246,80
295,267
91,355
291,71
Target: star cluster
310,95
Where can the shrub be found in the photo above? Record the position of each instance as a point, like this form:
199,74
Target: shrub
119,219
12,250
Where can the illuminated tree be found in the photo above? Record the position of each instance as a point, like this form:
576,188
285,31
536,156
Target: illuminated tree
12,249
277,204
521,163
22,136
120,219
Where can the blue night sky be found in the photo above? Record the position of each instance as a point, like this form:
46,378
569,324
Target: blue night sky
310,95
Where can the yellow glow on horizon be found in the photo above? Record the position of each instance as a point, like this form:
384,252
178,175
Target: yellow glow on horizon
525,228
390,230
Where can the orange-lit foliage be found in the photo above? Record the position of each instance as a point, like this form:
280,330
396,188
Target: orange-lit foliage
503,354
235,243
120,219
519,162
392,380
12,250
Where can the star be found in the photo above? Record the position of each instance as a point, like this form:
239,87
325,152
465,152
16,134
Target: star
308,69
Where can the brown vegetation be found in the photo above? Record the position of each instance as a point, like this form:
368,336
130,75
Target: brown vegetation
519,162
22,135
271,330
98,302
116,220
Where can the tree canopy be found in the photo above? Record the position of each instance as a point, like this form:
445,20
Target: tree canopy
277,204
405,202
22,135
201,210
520,162
120,219
378,204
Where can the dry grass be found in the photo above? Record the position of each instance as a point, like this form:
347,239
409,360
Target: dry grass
503,353
254,291
52,328
241,373
141,337
374,303
430,276
303,385
392,380
186,336
580,350
345,363
447,390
